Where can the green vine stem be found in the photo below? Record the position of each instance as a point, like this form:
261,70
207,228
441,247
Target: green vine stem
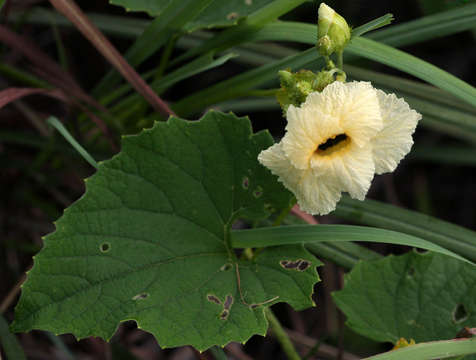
281,335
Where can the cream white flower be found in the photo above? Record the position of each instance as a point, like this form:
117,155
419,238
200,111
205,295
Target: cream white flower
337,140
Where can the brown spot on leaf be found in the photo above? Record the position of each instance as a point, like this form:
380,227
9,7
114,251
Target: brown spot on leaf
303,265
232,15
258,192
299,265
288,264
224,314
141,296
228,302
105,247
245,183
226,267
214,299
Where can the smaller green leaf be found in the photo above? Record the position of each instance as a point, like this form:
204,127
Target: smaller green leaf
431,350
302,234
424,297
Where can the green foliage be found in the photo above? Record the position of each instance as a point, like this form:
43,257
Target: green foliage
374,213
453,349
304,234
416,296
9,342
219,14
149,241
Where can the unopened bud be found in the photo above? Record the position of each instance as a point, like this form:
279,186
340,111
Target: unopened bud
333,33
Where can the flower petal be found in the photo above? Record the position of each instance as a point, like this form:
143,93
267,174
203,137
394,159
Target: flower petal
356,106
275,159
307,127
351,168
394,141
315,195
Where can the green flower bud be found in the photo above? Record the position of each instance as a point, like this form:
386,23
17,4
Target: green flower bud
295,87
333,33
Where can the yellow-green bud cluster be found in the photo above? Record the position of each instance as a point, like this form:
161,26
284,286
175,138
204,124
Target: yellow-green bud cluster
295,87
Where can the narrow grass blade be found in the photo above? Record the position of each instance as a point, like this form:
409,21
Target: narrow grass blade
410,87
203,63
373,25
428,27
241,33
412,65
155,35
450,155
9,342
12,94
345,254
63,131
86,27
370,212
431,350
240,84
302,234
411,32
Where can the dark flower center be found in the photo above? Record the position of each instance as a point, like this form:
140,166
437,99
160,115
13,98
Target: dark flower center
331,142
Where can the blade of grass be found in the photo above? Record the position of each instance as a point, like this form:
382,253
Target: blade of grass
238,34
410,87
372,50
19,75
428,27
412,65
12,94
431,350
170,21
370,212
54,74
411,32
373,25
218,353
302,234
9,342
240,84
63,131
84,25
345,254
203,63
451,155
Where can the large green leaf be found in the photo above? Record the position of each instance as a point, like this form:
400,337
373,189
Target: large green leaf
149,241
419,296
220,13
